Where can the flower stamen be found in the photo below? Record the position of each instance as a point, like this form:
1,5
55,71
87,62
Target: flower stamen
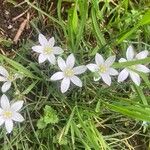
102,69
69,72
47,50
7,114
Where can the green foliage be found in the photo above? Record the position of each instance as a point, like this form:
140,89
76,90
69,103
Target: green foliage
94,117
49,117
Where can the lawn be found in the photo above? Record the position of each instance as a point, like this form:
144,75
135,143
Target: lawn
74,74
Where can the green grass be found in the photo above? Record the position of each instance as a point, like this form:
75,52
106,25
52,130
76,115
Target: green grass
95,117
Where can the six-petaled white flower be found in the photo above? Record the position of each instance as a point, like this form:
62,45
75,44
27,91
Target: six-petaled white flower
68,73
10,112
47,50
103,68
7,79
129,71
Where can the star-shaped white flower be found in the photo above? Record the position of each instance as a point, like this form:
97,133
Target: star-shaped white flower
47,50
128,71
68,73
10,112
7,79
103,69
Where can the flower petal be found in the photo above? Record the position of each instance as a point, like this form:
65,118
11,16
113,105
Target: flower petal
76,81
57,50
1,111
52,59
38,48
110,60
70,61
135,78
142,55
42,39
122,60
113,72
92,67
79,69
6,86
42,58
17,106
17,117
1,120
99,59
61,63
3,71
3,78
106,78
9,125
57,76
65,84
51,41
130,53
123,75
5,102
142,68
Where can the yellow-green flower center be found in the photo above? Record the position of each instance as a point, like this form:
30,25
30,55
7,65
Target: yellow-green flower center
7,114
48,50
69,72
102,69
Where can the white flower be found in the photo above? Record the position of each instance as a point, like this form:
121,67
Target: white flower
128,71
9,113
47,50
68,73
6,78
103,68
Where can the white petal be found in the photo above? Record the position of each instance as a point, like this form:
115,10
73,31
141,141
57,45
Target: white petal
1,120
5,102
99,59
123,75
110,60
142,68
17,106
17,117
9,125
65,84
42,58
38,49
106,78
113,72
3,79
135,78
6,86
142,55
57,76
122,60
1,110
76,81
70,61
43,41
79,69
57,50
130,53
52,59
51,41
3,71
61,63
92,67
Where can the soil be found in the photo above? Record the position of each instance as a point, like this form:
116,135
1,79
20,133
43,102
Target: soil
8,27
